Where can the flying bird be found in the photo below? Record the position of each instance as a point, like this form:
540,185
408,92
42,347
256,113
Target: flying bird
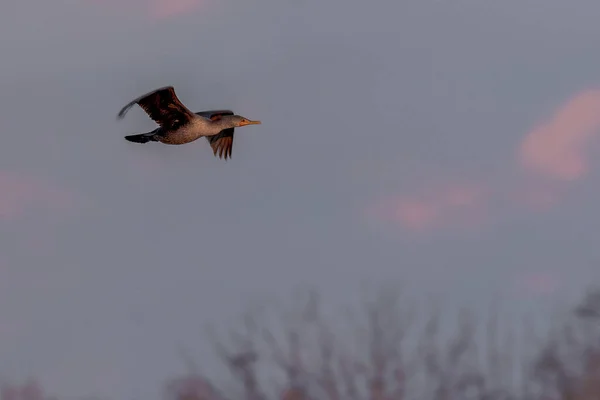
178,125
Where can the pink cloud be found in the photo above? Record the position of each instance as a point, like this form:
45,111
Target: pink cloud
554,153
20,193
30,390
556,148
453,204
416,214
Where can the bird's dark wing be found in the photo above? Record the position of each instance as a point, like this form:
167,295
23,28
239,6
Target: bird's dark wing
163,106
222,142
214,114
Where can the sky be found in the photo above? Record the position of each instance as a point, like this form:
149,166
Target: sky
450,146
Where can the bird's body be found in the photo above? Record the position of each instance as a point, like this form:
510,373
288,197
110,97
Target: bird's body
178,125
196,128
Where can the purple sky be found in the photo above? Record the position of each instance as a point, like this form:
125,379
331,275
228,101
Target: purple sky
449,144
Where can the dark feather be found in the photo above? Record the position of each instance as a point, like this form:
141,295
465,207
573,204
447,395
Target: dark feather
163,106
222,143
212,114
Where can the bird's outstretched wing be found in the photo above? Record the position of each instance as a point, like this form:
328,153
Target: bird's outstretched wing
222,143
214,114
163,106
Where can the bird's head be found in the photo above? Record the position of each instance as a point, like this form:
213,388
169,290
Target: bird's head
237,120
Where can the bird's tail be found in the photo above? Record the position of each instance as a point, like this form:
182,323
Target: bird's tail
142,137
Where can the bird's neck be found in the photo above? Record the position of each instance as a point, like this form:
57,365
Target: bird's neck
223,124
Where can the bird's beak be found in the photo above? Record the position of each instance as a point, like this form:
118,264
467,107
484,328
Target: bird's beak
251,123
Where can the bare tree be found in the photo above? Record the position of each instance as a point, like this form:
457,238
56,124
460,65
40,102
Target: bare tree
392,350
388,351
